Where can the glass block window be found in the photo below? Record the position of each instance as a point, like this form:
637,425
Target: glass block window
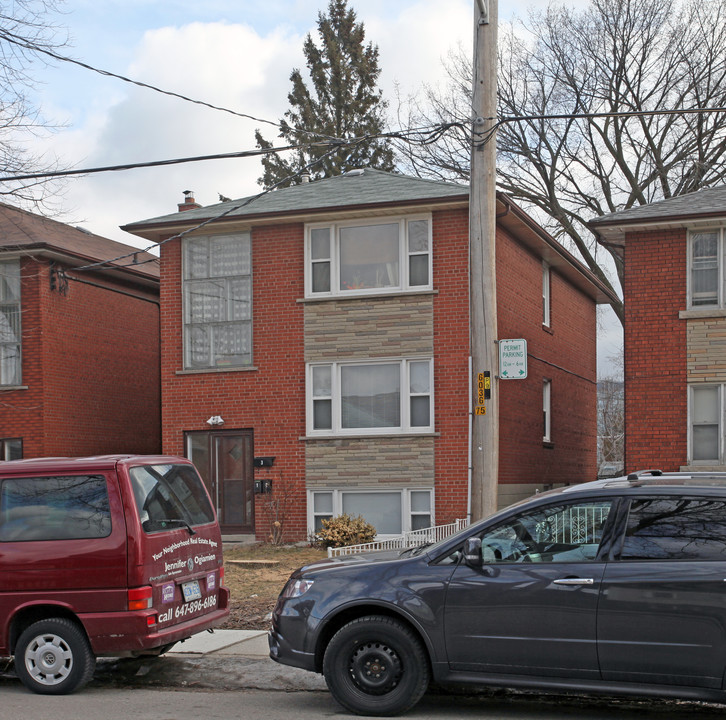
217,301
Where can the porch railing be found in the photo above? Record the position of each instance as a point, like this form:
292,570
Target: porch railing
412,538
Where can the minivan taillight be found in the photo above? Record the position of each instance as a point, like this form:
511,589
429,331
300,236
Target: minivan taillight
140,598
221,576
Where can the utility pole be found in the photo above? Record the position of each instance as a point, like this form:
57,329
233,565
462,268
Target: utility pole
482,259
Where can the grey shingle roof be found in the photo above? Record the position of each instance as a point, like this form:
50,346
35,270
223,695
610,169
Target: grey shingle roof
711,201
355,188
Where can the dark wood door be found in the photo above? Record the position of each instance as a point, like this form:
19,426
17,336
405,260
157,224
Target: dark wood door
225,461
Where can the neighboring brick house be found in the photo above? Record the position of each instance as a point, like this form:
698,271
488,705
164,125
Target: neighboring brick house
675,329
324,328
79,349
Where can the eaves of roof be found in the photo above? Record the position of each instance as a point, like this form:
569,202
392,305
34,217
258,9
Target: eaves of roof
370,193
702,208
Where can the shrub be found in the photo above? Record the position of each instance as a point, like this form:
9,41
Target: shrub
344,530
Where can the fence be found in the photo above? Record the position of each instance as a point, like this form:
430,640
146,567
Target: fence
412,538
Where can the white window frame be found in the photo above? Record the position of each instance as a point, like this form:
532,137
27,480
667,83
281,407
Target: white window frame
721,391
337,429
547,410
337,493
11,351
404,256
720,260
546,295
187,280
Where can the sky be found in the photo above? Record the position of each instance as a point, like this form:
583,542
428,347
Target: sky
233,53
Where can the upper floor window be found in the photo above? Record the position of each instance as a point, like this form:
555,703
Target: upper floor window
10,335
217,280
705,259
370,397
367,258
545,294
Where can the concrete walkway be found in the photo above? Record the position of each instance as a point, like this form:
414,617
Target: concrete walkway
246,643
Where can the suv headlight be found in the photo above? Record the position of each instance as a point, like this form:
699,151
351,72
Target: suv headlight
296,588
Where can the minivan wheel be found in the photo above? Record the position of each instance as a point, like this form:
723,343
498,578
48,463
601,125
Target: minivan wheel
376,665
53,657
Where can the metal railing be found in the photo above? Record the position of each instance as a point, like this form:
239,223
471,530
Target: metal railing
412,538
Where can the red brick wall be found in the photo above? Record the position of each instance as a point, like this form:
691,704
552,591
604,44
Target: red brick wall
655,351
451,362
564,353
269,399
91,365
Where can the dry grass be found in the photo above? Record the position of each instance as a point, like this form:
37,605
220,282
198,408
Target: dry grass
254,590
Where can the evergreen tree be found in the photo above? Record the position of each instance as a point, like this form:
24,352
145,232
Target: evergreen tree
343,104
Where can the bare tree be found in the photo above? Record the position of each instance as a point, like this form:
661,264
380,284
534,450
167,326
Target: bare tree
25,27
648,57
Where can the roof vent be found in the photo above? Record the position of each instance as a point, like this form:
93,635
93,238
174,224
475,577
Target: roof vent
355,172
304,178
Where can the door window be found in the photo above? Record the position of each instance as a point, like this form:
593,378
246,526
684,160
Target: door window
561,533
675,529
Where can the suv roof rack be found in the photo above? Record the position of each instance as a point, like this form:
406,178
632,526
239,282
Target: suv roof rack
677,477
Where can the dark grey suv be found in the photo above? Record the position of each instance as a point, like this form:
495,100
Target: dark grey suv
616,586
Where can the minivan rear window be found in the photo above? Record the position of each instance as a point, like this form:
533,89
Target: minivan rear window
169,496
54,508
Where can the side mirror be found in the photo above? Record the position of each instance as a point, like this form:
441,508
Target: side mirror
472,552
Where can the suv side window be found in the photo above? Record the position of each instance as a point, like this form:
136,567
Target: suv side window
561,533
675,529
54,508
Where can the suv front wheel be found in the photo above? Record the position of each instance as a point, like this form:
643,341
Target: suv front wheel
376,665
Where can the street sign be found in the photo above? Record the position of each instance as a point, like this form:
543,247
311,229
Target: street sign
512,359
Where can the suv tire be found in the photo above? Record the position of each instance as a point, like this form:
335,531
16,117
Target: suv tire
376,665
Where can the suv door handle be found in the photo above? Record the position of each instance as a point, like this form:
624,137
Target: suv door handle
575,581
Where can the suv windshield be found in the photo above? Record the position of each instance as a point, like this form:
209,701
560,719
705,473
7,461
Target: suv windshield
169,496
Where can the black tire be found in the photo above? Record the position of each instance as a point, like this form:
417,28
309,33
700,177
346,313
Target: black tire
376,666
53,657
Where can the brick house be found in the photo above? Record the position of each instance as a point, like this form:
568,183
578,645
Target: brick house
675,329
79,349
317,338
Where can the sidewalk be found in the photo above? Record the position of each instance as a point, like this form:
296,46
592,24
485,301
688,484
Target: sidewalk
225,659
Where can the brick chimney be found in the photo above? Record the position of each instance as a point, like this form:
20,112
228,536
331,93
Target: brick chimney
189,202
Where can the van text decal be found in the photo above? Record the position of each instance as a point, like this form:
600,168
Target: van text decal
184,543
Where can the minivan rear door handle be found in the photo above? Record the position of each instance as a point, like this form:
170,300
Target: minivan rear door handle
575,581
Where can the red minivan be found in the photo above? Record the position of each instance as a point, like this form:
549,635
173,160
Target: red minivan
113,555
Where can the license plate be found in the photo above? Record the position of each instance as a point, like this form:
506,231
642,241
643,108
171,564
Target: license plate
191,590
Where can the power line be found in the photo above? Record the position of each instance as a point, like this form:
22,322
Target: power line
159,163
24,43
219,216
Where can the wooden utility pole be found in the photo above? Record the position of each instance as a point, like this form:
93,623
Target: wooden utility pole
482,258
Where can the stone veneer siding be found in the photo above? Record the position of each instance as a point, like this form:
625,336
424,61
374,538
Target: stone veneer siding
706,350
396,326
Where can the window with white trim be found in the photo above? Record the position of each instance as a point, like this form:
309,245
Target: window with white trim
367,398
11,449
391,512
545,294
10,331
362,258
217,283
547,410
706,423
705,269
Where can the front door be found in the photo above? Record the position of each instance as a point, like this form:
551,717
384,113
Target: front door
224,459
